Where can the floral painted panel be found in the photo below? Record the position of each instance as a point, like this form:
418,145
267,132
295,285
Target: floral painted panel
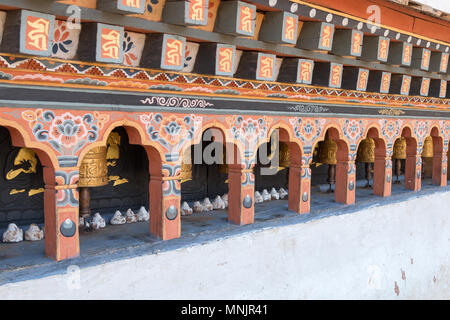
65,41
133,44
190,56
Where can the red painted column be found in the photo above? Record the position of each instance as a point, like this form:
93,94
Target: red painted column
345,182
413,169
299,198
382,178
61,215
165,197
241,191
439,175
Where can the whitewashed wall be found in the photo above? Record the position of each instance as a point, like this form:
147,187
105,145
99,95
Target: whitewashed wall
397,251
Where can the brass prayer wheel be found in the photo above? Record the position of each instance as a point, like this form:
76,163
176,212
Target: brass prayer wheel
186,166
366,151
428,148
284,155
399,148
93,169
327,151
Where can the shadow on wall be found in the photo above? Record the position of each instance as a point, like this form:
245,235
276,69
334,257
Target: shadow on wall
21,184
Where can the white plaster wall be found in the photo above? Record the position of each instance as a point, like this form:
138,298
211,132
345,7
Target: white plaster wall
398,251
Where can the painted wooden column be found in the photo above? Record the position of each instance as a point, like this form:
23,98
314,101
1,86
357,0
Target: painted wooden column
439,174
61,214
241,191
345,181
165,197
299,199
413,169
382,179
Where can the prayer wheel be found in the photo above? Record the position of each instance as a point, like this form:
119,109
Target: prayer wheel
327,155
284,155
427,148
366,155
93,173
427,157
399,154
186,166
93,169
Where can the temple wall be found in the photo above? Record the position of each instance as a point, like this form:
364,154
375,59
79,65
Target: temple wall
391,251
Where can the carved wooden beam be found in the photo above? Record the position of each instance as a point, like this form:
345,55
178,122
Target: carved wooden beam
215,58
400,84
279,27
419,86
327,74
28,32
439,62
375,48
421,58
400,53
163,51
237,18
348,42
101,42
316,36
257,65
192,12
438,88
296,70
122,6
379,81
355,78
